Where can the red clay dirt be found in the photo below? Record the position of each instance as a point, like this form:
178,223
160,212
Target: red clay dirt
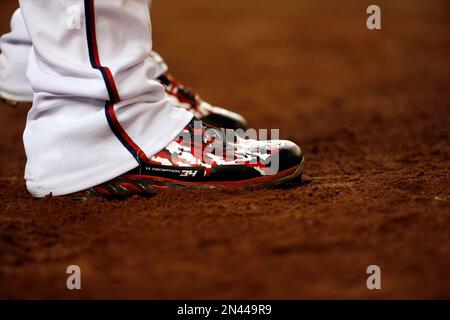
371,111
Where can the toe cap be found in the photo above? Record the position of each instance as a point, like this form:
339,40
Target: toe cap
289,155
223,118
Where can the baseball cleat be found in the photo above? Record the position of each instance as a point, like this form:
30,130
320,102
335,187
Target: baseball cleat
201,157
186,98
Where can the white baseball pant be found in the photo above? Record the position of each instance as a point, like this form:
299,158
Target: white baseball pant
96,111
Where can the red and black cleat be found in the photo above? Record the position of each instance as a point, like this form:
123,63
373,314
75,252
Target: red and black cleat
186,98
201,157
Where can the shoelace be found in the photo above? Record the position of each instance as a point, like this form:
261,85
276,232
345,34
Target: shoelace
177,89
209,135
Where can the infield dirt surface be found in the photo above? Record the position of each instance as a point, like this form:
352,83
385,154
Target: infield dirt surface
371,110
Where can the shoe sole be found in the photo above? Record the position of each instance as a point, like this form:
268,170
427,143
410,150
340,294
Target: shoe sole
129,185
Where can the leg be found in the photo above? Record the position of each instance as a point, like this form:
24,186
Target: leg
96,112
15,47
15,50
16,86
100,125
